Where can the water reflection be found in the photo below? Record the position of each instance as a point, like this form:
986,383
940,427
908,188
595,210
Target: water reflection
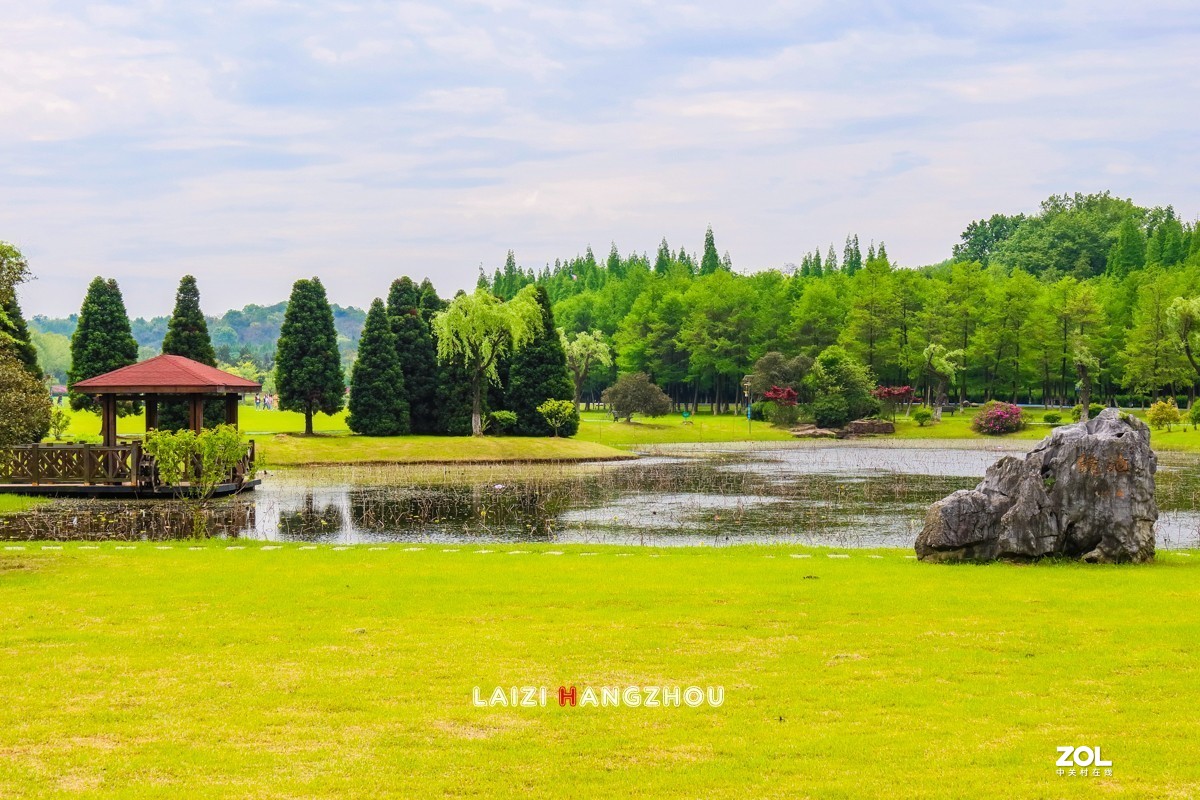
844,496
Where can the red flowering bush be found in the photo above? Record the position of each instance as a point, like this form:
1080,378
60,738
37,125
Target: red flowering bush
995,418
785,396
781,406
892,397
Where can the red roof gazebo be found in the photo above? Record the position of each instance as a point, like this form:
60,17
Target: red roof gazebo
165,377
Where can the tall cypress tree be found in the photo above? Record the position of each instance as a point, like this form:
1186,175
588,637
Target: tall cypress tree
103,340
539,373
308,366
187,330
416,353
13,328
187,336
662,259
710,262
378,400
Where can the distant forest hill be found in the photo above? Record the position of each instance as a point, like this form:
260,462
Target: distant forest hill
248,334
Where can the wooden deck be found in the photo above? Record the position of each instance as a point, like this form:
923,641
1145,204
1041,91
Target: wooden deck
85,470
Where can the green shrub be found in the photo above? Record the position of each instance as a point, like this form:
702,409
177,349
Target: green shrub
1093,410
1164,413
60,421
783,416
560,414
1052,417
921,415
501,422
761,410
830,411
202,461
1194,415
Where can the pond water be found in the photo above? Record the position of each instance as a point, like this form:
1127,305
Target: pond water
854,494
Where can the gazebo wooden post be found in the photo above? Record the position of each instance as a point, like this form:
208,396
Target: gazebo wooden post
196,412
108,419
151,412
231,409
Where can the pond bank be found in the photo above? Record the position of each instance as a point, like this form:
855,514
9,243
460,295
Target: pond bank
293,451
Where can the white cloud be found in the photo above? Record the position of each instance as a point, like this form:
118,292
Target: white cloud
256,142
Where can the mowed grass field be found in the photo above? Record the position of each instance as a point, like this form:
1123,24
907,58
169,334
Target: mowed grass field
201,671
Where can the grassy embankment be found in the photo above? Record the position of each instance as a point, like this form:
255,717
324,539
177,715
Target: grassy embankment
278,436
205,671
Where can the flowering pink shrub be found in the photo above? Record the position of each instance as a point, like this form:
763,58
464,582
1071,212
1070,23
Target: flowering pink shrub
995,418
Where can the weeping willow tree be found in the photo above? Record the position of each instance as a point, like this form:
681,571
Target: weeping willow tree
479,329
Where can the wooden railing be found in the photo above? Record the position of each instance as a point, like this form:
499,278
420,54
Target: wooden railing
91,465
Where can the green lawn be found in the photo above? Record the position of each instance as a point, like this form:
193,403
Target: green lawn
286,450
325,673
596,428
11,503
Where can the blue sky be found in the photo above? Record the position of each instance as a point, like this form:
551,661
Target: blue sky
253,143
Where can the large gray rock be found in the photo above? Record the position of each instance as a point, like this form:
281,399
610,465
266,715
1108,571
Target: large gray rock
1087,491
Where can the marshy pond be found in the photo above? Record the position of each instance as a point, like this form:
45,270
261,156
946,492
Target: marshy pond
869,493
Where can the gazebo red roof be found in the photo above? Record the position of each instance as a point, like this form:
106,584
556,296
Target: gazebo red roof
166,374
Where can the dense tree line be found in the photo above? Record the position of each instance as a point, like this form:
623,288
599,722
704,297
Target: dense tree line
1092,294
1021,304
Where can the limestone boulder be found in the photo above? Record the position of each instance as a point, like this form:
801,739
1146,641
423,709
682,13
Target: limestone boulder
862,427
1086,491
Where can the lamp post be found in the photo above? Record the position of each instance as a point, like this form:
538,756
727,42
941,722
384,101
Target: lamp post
746,391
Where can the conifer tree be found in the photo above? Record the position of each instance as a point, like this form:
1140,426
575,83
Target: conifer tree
852,260
308,365
831,263
1128,253
710,262
538,373
14,330
416,354
103,340
662,259
187,336
187,331
378,401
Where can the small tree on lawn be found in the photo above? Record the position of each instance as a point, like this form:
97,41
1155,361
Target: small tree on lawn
634,393
476,330
308,365
559,414
892,398
378,401
1164,413
585,351
941,366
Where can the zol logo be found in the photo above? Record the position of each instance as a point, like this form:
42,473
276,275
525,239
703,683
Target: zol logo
1082,762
